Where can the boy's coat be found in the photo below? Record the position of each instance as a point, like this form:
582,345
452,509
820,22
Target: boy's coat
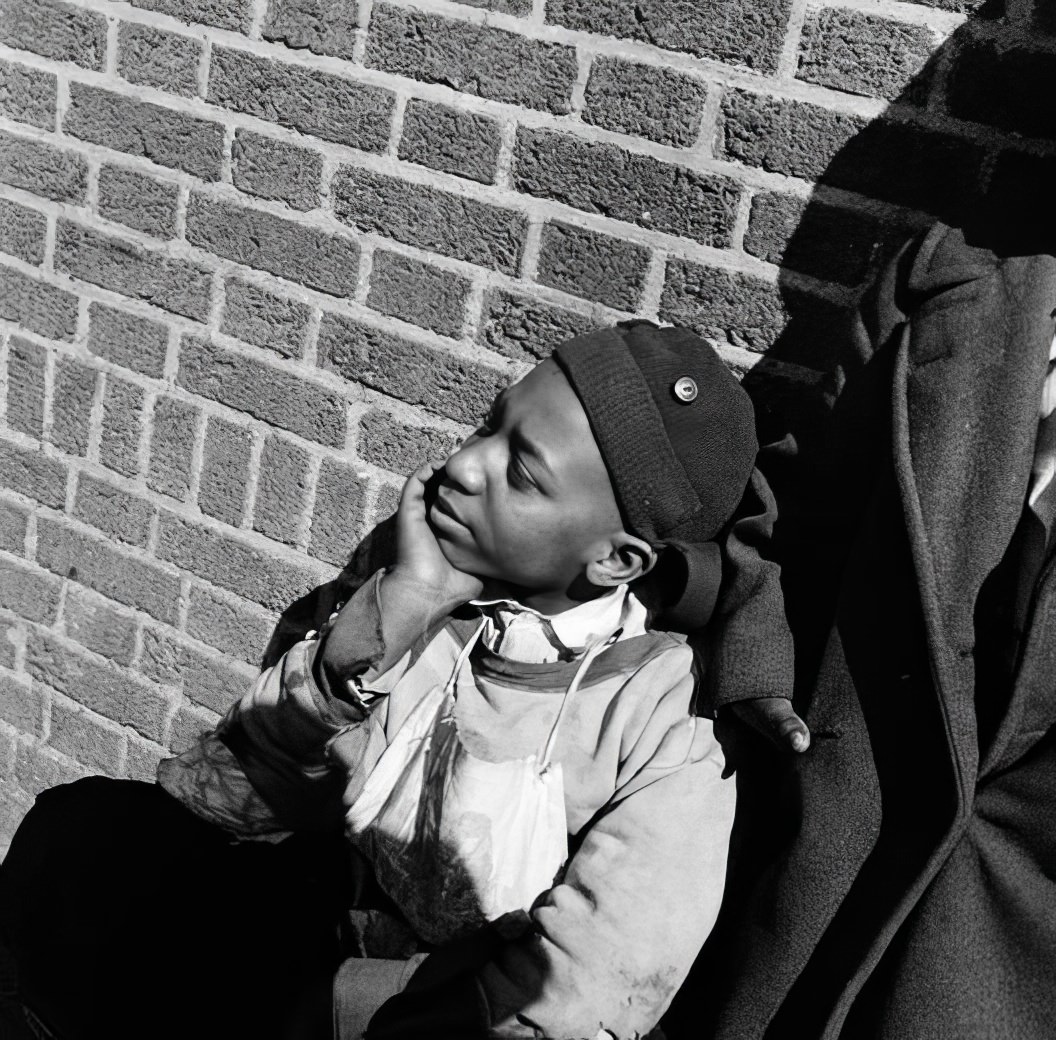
897,882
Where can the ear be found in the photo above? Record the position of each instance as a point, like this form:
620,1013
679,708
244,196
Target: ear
629,558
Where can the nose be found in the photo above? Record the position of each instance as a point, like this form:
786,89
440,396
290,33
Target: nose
464,467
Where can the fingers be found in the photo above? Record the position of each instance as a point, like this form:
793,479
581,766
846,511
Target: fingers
775,719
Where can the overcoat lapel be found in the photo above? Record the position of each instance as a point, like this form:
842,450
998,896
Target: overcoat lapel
965,398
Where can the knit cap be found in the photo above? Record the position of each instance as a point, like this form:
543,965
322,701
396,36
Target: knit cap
677,433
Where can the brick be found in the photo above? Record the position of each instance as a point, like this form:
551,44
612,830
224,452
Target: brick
435,220
235,564
527,329
387,503
276,396
225,470
282,489
28,591
159,660
824,241
33,474
457,387
451,140
189,724
224,14
274,169
648,101
41,308
115,512
12,640
418,292
172,440
22,232
100,685
127,339
338,519
213,681
25,386
122,425
97,624
71,411
143,759
323,261
862,53
1000,85
606,179
322,26
52,173
172,283
261,317
309,100
736,32
64,32
22,704
14,520
585,263
28,95
229,624
83,737
158,58
722,304
38,767
96,563
138,200
790,137
898,163
1020,210
163,135
475,59
387,442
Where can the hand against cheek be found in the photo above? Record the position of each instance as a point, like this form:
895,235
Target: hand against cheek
418,554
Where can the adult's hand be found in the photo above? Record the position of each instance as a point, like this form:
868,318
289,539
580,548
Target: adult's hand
774,718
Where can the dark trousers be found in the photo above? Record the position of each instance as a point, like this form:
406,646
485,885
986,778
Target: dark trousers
128,916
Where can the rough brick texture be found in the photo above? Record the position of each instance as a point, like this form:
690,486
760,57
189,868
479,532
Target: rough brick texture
127,339
645,100
138,200
158,58
22,232
417,292
277,396
28,95
273,169
450,140
282,247
53,29
163,135
314,102
260,258
477,59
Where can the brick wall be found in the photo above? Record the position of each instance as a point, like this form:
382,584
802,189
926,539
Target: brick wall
261,256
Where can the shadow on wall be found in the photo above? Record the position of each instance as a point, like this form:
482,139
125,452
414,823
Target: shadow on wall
970,141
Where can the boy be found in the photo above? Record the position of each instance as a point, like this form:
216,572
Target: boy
539,822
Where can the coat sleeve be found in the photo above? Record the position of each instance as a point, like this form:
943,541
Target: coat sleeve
607,947
269,763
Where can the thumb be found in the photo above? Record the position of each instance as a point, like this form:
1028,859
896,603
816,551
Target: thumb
775,719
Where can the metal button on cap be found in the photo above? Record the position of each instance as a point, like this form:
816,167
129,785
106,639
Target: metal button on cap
685,389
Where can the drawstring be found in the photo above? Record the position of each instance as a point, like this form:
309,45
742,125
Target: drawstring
462,655
573,686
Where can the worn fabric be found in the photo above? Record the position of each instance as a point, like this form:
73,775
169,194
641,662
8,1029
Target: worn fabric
901,884
647,811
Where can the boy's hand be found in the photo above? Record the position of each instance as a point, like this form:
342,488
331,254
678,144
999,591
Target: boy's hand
418,554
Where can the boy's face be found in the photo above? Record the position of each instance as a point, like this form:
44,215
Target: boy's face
527,500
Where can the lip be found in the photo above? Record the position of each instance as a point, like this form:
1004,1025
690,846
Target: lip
444,509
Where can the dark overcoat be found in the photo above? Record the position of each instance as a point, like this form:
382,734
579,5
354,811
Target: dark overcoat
901,882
